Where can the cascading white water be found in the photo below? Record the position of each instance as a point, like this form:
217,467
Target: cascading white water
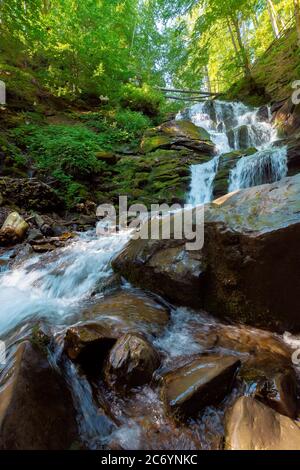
54,285
203,177
233,126
266,166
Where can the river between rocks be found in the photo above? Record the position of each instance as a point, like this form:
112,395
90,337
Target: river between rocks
73,284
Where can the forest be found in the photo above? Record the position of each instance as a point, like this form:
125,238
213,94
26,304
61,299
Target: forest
111,340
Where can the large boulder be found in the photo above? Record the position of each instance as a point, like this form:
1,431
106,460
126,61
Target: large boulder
13,230
239,137
165,267
131,362
250,425
36,410
204,381
249,267
177,135
29,194
263,114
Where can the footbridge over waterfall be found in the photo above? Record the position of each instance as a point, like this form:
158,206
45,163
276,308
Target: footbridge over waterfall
188,95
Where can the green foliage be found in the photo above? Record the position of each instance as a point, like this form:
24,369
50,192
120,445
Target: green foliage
143,99
133,122
68,153
12,161
116,127
82,49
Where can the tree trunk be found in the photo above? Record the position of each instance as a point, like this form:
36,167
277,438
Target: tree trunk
233,40
208,79
297,17
244,55
273,18
255,21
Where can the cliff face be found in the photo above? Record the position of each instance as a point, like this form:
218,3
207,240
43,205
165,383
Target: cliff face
273,74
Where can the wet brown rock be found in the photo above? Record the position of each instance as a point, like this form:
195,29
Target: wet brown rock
287,118
45,245
36,410
250,425
128,311
43,248
131,362
263,114
110,319
272,380
89,341
251,340
201,383
164,267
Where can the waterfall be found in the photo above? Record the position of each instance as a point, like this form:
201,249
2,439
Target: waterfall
265,166
203,177
234,126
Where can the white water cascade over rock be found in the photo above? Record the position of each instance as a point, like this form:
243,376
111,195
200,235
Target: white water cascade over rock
234,126
55,285
203,177
266,166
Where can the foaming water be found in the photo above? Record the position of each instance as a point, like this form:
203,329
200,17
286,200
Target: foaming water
265,166
234,126
203,177
54,285
178,339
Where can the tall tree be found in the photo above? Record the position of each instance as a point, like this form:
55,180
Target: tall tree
297,18
273,18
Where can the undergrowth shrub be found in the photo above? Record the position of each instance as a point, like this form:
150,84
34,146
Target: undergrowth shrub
68,153
116,127
142,99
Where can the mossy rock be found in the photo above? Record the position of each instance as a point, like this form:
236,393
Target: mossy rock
108,157
174,134
149,144
185,129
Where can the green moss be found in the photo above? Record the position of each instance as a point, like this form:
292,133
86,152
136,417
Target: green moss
186,129
149,144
